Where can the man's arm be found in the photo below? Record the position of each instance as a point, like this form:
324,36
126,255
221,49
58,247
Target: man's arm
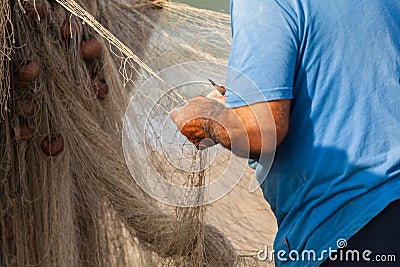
248,131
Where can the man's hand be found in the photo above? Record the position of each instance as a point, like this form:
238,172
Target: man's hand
248,131
195,118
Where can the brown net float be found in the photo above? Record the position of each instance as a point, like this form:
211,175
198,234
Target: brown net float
91,49
52,144
24,132
28,72
35,9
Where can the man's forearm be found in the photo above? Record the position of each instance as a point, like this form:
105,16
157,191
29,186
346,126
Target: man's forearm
242,130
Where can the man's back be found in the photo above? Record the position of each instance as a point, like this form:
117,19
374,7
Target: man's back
339,62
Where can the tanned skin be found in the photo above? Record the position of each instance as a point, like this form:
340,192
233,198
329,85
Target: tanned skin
247,131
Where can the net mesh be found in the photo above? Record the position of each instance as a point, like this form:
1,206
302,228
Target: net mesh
6,31
79,205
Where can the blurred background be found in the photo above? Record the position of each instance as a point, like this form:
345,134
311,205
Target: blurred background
216,5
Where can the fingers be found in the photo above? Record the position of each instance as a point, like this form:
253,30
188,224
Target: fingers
178,112
194,131
199,106
192,117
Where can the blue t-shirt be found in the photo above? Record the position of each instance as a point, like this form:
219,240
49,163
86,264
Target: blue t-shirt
339,62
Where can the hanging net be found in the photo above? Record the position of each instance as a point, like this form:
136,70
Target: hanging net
90,160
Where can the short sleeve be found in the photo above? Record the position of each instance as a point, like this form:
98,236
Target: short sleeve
264,51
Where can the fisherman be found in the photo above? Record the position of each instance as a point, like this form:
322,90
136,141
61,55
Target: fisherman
329,72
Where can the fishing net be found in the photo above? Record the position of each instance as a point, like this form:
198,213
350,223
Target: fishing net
5,55
68,196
